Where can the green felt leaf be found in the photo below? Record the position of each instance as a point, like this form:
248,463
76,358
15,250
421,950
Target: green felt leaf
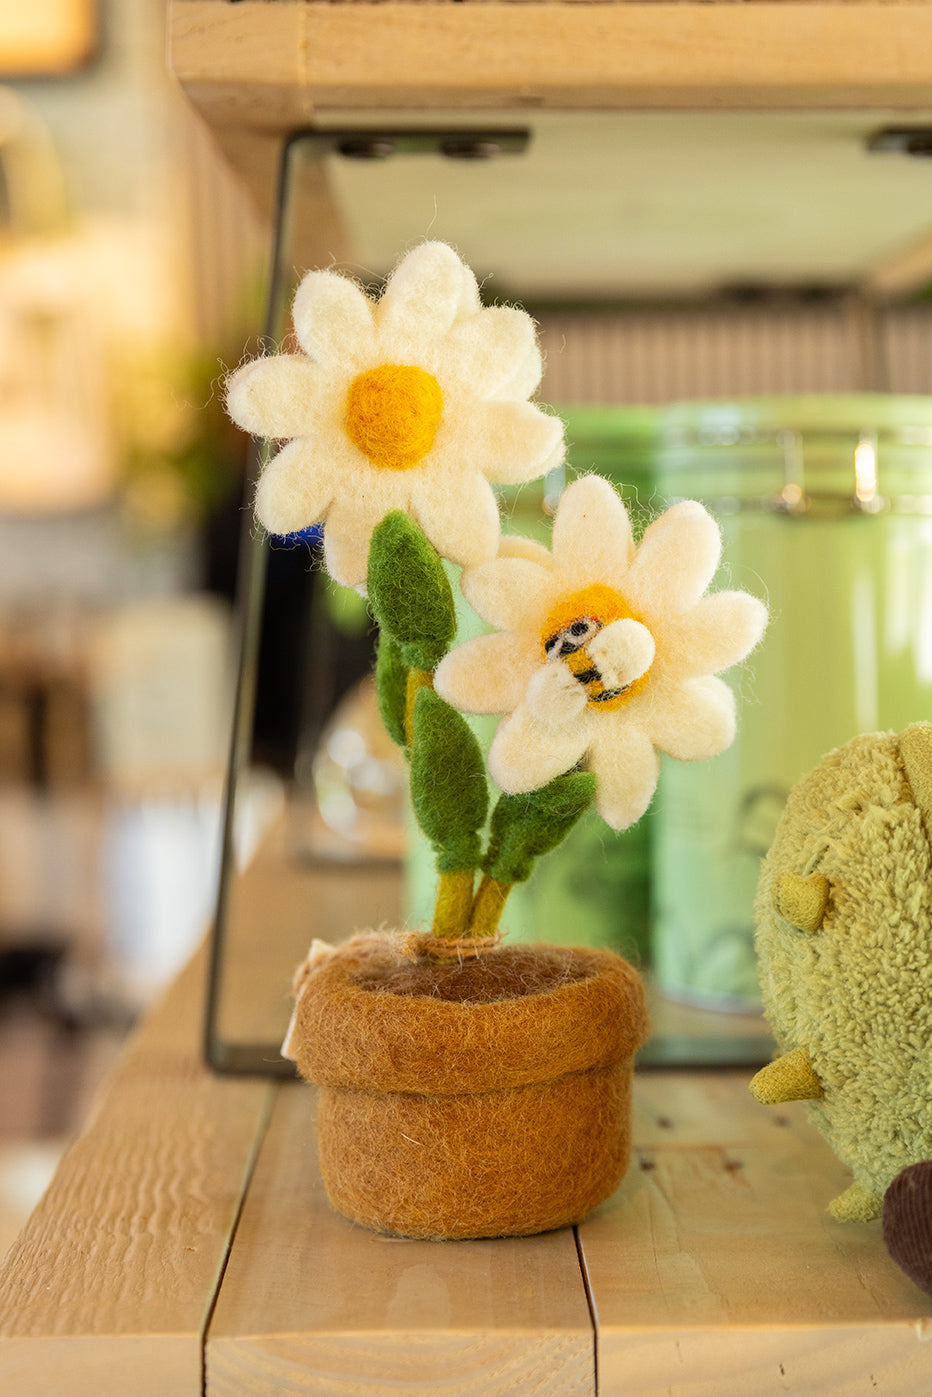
391,685
448,786
409,592
525,826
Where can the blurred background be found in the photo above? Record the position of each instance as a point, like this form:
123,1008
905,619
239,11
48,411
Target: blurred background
130,278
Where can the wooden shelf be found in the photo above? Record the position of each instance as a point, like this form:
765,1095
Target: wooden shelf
186,1238
279,66
598,85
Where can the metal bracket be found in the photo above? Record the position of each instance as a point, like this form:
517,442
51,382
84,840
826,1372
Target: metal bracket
454,143
902,140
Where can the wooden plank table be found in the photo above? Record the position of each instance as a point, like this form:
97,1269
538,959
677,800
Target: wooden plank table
186,1246
110,1285
457,1318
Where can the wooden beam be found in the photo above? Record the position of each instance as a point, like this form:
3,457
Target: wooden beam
288,65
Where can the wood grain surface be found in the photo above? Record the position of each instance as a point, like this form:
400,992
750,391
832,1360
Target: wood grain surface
716,1269
109,1286
311,1303
191,1208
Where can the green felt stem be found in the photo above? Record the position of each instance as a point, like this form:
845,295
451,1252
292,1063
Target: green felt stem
453,905
488,906
416,680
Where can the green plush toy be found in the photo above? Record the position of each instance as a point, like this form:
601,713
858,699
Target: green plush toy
844,942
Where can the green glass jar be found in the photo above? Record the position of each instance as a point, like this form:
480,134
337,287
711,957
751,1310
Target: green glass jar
825,504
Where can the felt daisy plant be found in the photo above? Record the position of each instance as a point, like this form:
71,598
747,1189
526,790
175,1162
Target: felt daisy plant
399,413
415,401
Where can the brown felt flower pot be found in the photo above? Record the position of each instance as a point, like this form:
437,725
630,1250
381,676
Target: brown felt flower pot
486,1099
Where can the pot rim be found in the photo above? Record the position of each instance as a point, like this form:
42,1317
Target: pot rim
348,1036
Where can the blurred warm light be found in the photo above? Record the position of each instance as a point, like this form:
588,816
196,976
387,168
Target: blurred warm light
865,471
46,36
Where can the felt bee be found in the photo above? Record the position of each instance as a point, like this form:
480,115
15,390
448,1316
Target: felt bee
569,645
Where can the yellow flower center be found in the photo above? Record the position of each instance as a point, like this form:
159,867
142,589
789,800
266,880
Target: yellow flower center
392,414
565,634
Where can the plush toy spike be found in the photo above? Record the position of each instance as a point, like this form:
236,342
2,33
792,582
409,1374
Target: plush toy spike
855,1204
788,1078
802,901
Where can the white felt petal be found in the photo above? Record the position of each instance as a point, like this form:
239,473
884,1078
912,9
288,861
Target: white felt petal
470,302
347,535
721,630
507,590
626,769
526,754
517,546
461,521
495,353
675,562
333,320
294,490
487,674
555,696
513,442
275,397
425,293
693,720
622,652
524,379
592,532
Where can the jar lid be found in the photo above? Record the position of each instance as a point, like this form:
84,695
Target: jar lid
806,454
724,421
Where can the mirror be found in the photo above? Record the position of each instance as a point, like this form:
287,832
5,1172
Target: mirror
706,203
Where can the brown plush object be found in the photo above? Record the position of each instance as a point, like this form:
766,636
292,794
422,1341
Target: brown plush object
907,1223
504,1115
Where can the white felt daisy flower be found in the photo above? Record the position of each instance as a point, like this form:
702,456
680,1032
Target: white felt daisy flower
603,651
415,402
